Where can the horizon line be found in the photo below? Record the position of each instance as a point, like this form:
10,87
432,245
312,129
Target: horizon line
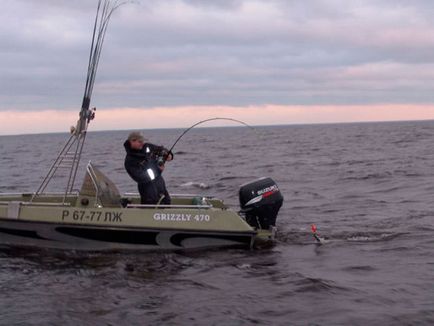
230,126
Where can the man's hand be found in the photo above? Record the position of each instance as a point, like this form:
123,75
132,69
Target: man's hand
168,155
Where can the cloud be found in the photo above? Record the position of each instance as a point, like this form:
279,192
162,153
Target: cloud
235,53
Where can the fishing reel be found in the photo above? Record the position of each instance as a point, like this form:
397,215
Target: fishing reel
154,167
160,161
163,156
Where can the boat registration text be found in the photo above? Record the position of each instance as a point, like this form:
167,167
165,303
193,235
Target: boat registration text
92,216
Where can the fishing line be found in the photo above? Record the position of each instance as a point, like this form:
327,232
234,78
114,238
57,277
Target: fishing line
207,120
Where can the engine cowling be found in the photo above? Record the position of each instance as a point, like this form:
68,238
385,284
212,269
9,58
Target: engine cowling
260,201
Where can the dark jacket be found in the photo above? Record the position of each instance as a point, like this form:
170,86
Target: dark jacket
137,162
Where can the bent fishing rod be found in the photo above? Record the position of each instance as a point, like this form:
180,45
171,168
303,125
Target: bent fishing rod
207,120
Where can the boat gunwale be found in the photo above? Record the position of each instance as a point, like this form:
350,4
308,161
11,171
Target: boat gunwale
129,206
28,203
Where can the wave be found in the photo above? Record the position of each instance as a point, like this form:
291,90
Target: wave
191,184
310,284
304,237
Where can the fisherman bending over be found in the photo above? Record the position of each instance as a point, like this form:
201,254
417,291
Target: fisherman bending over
144,163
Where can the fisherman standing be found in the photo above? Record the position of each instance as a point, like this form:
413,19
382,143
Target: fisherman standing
144,163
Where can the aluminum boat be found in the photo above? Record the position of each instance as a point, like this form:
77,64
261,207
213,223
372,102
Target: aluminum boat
97,217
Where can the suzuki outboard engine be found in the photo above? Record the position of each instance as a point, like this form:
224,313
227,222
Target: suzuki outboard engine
260,202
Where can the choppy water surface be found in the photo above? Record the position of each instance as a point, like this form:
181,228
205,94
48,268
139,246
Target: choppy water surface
368,187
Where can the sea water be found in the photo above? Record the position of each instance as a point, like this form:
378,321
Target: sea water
368,187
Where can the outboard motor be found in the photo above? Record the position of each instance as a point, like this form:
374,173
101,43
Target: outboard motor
260,201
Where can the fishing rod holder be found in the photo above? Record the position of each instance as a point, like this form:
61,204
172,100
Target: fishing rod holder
90,114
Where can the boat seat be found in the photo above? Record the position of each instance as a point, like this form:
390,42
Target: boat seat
96,184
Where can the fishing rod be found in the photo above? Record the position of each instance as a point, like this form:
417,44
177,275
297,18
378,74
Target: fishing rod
207,120
70,156
103,14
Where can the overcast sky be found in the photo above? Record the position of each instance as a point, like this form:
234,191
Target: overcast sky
358,59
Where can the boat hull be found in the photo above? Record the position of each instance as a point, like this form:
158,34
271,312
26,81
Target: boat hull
50,224
96,238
